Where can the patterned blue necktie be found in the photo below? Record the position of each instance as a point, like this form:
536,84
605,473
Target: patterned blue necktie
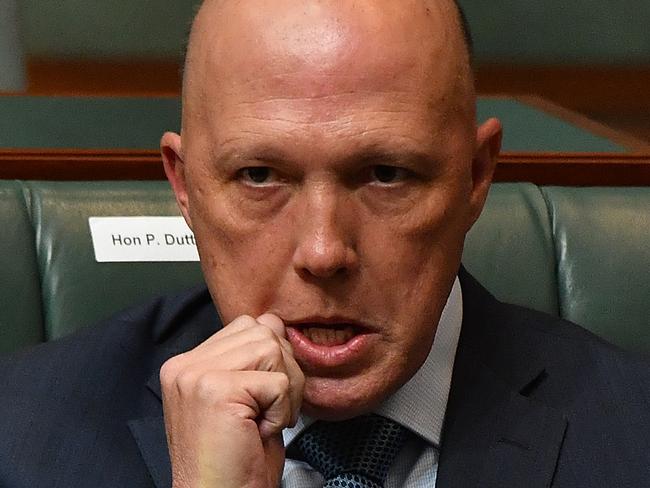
355,453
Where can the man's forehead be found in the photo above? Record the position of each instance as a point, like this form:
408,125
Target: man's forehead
287,50
285,38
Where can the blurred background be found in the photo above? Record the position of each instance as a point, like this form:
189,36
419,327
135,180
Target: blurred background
591,56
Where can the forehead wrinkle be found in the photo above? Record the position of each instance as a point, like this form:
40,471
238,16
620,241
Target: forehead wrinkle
280,144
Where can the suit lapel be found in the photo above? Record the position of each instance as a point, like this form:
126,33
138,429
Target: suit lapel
149,433
494,434
495,437
181,326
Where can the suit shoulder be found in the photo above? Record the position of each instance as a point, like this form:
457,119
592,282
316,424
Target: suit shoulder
112,346
562,341
75,396
517,341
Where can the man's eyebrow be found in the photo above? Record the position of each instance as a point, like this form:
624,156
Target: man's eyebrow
390,157
364,156
253,153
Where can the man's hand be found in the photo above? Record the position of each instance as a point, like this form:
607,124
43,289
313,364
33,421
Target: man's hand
226,403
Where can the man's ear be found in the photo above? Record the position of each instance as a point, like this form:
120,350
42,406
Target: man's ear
171,151
488,145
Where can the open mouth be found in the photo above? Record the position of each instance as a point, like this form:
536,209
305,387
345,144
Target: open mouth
329,343
330,335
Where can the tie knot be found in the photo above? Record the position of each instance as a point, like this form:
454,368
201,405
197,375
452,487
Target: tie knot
356,452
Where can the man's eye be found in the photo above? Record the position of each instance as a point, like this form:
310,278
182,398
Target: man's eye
257,175
388,174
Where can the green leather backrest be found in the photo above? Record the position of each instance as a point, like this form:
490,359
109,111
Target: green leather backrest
510,248
602,241
21,321
580,253
77,291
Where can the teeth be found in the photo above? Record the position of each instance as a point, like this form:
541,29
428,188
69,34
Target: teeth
339,336
328,337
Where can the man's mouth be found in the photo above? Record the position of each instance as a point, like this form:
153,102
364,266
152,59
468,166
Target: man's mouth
329,336
329,343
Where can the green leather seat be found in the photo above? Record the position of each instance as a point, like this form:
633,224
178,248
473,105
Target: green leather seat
602,243
510,248
78,291
21,322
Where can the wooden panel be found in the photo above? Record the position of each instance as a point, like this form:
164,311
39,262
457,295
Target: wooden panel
578,169
76,164
582,88
575,169
103,78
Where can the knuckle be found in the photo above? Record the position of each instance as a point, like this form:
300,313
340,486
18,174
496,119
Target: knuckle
208,386
169,371
263,333
205,386
267,356
282,383
271,350
185,381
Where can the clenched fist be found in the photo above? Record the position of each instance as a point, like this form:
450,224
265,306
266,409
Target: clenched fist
225,405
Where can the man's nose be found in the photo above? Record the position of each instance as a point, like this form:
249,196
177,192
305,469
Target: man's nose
325,246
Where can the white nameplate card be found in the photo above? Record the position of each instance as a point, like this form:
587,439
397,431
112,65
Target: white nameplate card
142,239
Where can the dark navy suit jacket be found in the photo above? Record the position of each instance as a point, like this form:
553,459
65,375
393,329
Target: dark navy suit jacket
535,402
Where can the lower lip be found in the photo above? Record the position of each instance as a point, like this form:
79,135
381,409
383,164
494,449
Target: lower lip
315,355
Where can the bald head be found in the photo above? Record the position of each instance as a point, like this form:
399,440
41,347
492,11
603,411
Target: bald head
462,18
318,41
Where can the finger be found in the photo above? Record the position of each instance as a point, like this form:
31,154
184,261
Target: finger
234,334
274,323
239,324
295,374
269,394
245,344
240,352
258,355
296,386
244,322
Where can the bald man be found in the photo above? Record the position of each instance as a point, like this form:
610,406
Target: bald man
329,166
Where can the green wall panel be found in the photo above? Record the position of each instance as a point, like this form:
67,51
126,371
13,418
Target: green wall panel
87,123
138,123
12,68
561,31
528,129
583,31
115,28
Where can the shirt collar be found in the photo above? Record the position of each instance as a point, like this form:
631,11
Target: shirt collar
420,404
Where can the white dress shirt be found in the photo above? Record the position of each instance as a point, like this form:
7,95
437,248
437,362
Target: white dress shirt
419,405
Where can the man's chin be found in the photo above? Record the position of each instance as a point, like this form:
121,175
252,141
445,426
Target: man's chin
339,399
